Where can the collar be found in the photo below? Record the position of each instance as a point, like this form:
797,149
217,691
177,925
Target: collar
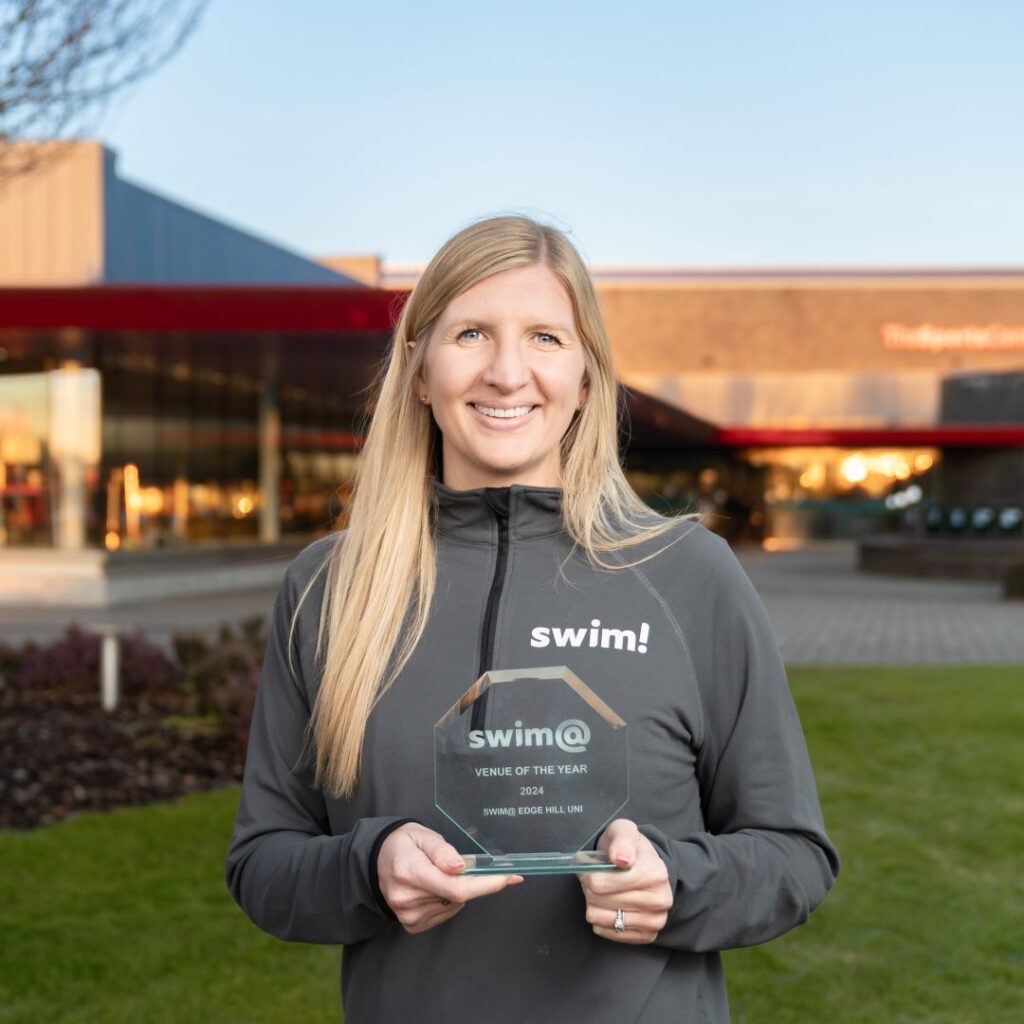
473,515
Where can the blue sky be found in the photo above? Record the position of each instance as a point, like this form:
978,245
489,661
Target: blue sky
730,134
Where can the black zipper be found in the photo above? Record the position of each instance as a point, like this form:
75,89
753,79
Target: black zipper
499,499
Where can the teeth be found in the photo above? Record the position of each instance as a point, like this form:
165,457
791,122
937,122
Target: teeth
519,410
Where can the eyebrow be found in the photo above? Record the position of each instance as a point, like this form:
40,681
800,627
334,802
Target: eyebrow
487,325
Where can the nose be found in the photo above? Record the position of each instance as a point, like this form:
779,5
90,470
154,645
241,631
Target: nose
507,368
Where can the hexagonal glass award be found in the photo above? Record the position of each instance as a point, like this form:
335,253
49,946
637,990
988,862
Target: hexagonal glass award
531,765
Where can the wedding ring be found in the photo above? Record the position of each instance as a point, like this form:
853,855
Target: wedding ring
620,920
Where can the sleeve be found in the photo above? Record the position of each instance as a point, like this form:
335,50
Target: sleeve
765,861
284,868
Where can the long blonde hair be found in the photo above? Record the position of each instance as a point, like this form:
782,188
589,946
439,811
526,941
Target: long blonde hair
380,580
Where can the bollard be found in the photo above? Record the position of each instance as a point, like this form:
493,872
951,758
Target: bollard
110,682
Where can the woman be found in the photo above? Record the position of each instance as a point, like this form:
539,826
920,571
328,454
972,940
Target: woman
490,519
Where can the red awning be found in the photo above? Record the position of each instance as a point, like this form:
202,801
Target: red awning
325,309
953,435
202,308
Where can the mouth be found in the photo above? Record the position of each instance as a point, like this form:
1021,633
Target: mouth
502,418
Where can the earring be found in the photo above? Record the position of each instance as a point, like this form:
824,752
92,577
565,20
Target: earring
423,398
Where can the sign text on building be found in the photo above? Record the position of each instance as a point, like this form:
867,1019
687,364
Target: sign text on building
933,338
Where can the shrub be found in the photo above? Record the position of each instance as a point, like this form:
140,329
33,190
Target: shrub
146,669
71,665
205,677
240,694
10,662
221,678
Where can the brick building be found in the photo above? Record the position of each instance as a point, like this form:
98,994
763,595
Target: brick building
169,381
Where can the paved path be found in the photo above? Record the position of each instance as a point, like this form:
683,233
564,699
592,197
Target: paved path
158,620
824,611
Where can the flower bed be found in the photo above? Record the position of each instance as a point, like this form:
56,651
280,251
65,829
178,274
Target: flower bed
181,726
64,754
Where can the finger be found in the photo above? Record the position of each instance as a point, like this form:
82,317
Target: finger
457,895
616,829
410,901
474,886
629,937
644,901
431,900
634,920
430,881
426,910
645,875
623,839
648,871
441,853
430,917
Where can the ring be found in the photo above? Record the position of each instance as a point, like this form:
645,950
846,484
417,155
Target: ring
620,920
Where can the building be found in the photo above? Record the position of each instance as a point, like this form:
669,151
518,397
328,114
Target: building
843,388
838,398
170,385
167,382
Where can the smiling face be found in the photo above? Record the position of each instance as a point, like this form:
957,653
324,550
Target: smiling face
504,373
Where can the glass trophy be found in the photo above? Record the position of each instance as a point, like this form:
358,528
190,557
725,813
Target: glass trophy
531,765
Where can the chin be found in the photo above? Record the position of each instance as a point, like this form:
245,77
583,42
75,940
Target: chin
510,473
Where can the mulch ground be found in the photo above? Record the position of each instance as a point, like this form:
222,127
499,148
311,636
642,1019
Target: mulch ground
61,753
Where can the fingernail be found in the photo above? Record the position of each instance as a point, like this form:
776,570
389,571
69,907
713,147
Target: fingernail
456,862
515,879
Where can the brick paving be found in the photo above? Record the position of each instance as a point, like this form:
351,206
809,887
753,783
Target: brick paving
827,612
824,612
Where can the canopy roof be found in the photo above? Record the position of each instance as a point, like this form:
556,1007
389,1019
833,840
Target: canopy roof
334,336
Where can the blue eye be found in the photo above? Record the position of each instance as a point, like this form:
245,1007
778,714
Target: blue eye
541,335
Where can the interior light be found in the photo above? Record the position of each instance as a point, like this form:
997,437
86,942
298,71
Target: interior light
853,469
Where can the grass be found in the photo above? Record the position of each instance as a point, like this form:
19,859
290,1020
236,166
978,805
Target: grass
124,916
919,772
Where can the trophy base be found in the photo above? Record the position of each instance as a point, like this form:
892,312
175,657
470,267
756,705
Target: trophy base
537,863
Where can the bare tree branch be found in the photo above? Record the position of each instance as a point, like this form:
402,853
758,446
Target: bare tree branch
62,60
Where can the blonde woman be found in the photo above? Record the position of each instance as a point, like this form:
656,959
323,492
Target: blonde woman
490,520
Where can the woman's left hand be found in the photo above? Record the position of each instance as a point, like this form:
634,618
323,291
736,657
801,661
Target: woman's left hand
642,893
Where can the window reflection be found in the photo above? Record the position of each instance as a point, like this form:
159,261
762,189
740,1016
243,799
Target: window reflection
24,500
174,457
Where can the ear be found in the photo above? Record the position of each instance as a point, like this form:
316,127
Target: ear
421,380
411,346
584,391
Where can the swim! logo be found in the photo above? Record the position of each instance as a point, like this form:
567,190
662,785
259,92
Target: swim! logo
596,636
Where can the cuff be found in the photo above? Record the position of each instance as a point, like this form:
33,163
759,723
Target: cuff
663,845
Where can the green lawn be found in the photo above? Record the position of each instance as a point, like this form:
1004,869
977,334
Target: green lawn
124,917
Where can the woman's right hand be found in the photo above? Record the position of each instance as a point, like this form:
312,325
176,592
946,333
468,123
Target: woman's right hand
419,876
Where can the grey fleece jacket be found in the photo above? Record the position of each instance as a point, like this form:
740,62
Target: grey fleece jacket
720,779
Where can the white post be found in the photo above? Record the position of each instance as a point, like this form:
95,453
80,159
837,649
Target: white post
109,657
